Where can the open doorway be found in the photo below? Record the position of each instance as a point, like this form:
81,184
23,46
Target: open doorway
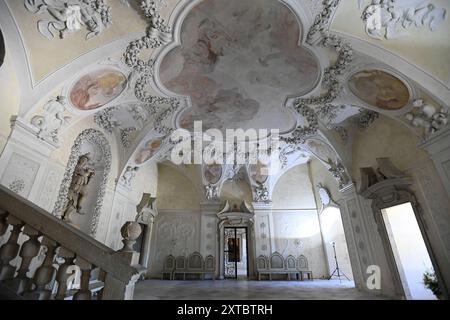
235,253
410,252
335,244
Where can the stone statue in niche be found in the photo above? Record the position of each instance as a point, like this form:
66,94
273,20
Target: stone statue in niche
52,120
77,190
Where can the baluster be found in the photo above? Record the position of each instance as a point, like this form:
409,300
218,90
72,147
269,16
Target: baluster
102,278
44,274
3,222
65,271
29,250
10,249
84,293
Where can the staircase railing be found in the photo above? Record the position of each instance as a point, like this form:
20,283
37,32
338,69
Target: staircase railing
118,270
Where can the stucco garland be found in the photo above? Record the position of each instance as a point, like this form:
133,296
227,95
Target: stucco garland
97,138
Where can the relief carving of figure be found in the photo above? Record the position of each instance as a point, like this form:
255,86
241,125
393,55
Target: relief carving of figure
389,19
52,120
69,16
211,192
77,191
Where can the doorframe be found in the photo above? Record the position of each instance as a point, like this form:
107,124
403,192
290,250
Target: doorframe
390,193
239,220
246,249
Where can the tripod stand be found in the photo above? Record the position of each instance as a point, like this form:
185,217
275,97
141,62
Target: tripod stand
337,272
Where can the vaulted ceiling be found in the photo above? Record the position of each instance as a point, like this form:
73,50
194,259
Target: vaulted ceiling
317,71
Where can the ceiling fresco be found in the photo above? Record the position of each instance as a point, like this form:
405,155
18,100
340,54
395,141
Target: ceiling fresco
97,88
238,62
379,89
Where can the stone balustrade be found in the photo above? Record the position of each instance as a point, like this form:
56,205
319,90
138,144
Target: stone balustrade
117,271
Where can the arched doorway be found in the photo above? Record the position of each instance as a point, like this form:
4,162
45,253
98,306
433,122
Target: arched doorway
404,235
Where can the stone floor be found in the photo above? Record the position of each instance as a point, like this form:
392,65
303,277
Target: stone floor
248,290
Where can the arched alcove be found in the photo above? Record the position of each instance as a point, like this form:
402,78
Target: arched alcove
93,144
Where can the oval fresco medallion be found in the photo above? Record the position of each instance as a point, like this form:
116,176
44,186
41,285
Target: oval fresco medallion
259,172
97,88
148,151
212,173
379,89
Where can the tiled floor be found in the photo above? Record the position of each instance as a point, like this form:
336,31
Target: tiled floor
248,290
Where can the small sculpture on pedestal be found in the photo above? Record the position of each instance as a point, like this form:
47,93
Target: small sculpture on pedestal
77,190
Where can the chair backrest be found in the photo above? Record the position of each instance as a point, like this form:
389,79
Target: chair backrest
195,261
210,263
290,262
180,263
262,263
302,262
276,261
169,263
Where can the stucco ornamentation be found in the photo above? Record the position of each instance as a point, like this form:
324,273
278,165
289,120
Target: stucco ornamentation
211,192
390,19
262,194
428,117
367,117
157,34
17,185
66,17
96,138
52,120
337,170
322,20
331,85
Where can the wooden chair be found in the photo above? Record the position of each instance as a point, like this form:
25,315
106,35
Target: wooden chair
180,267
210,266
291,267
169,267
195,264
262,266
303,268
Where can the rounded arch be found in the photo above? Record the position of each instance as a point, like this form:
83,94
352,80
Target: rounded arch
294,188
97,139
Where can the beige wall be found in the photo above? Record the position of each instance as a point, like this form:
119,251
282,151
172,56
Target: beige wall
175,191
320,174
294,190
235,192
146,181
9,98
387,138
